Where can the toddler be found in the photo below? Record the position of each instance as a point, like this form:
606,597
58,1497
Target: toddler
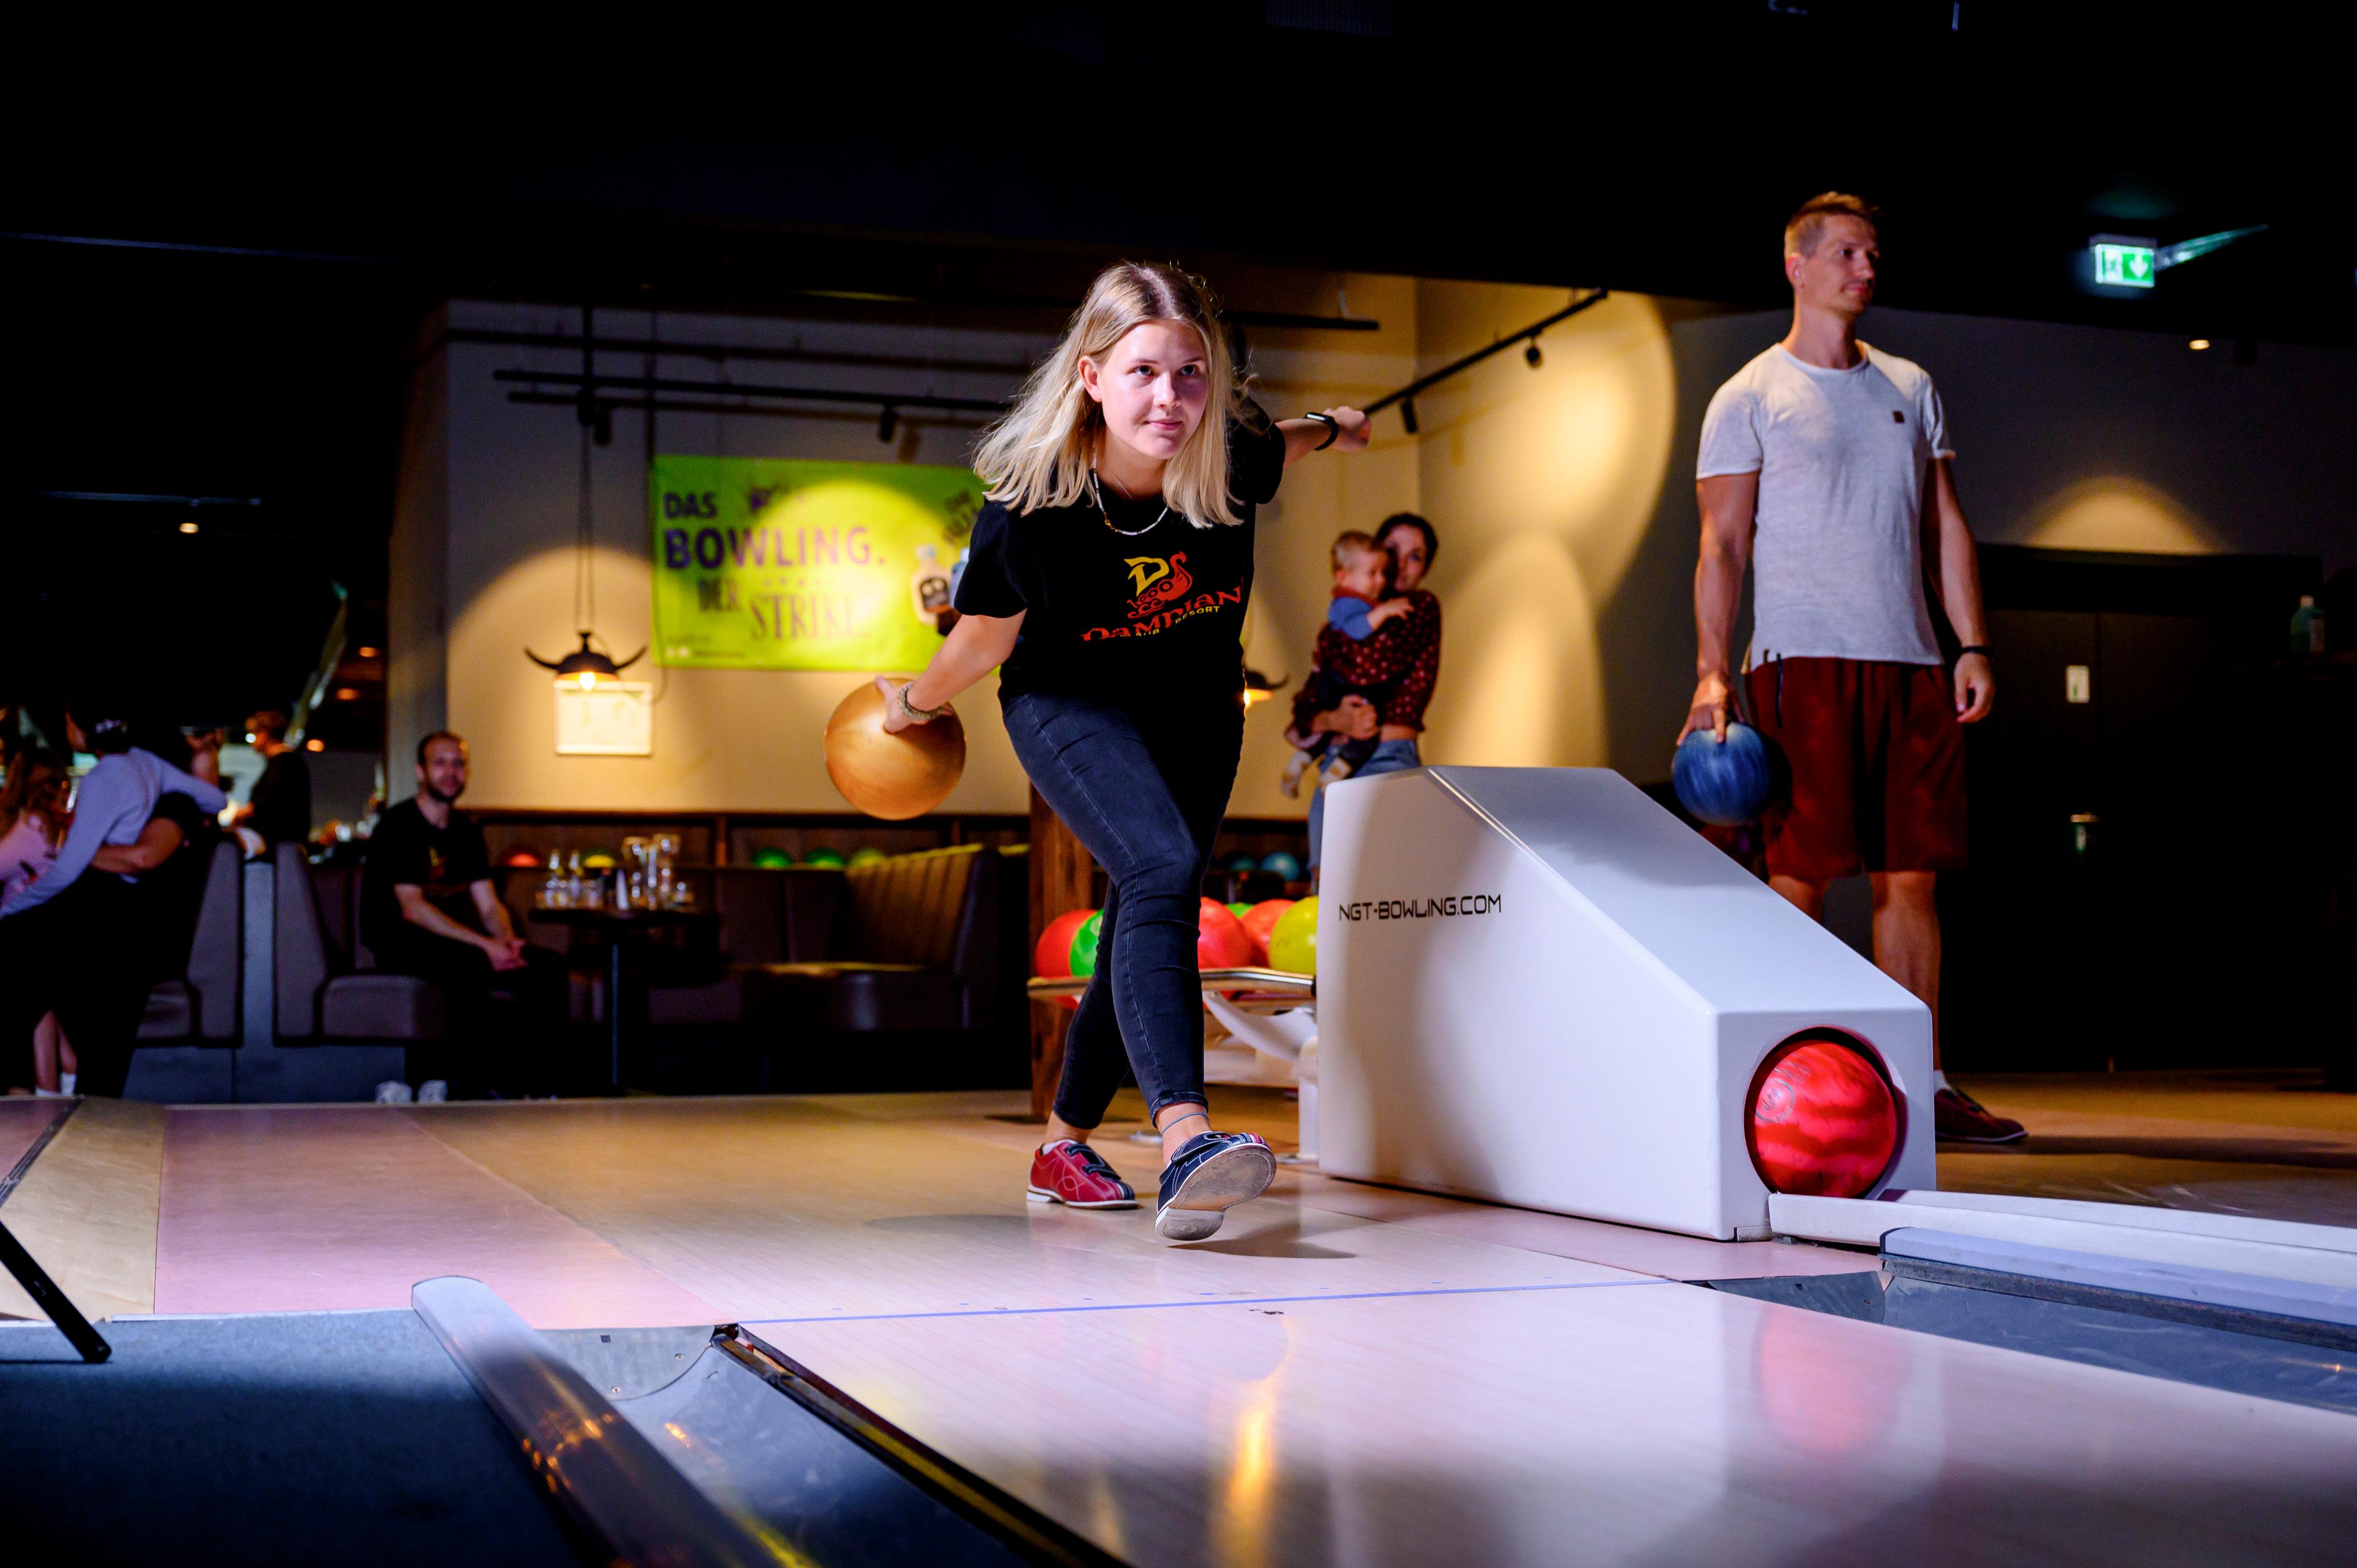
1361,575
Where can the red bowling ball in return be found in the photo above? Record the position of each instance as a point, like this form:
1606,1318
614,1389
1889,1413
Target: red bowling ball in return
1823,1121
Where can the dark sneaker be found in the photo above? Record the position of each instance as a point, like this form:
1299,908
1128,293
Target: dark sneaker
1958,1118
1211,1173
1070,1173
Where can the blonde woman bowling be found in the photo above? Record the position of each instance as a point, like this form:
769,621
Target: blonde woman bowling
1107,583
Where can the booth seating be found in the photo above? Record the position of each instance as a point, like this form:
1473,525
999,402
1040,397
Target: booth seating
201,1007
320,996
910,943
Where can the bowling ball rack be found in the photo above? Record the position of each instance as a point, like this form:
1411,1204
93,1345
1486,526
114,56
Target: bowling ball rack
1250,990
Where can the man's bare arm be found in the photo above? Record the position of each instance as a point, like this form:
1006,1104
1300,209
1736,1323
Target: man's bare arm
1953,565
157,839
492,907
1730,505
426,917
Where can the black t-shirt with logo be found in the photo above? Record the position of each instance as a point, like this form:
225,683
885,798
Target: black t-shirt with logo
1130,612
407,849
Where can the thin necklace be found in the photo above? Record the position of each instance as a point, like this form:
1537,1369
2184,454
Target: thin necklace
1098,490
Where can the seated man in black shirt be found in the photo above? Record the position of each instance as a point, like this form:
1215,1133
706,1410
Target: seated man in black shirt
428,908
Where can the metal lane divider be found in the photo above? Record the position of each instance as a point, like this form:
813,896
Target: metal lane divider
615,1484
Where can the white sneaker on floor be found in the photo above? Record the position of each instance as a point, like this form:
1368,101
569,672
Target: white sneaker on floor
40,1093
392,1091
433,1091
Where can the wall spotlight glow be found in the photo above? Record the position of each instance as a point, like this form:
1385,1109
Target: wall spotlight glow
2199,344
315,745
348,694
188,528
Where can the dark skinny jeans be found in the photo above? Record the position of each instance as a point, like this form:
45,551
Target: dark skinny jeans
1144,792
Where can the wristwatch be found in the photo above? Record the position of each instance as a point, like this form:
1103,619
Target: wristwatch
1333,430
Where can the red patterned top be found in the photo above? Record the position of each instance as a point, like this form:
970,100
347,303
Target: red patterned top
1401,664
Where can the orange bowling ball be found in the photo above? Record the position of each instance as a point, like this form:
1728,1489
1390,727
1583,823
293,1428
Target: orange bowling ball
891,776
1259,921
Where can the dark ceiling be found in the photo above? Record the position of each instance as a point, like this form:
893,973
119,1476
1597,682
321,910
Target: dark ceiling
275,235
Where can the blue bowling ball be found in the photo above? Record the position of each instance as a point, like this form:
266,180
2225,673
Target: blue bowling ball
1240,861
1282,865
1723,784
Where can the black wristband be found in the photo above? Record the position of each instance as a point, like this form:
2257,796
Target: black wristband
1333,430
1979,647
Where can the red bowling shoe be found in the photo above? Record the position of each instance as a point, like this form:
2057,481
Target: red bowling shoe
1070,1173
1958,1118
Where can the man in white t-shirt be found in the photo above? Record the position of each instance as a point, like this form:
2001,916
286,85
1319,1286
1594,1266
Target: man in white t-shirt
1825,469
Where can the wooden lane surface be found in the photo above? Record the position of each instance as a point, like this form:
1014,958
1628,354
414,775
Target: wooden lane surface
785,1208
87,1210
23,1119
1650,1424
318,1207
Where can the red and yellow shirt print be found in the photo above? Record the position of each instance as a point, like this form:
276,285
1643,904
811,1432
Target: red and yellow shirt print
1130,601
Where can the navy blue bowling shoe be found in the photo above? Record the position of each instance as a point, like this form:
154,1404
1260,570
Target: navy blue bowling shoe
1211,1173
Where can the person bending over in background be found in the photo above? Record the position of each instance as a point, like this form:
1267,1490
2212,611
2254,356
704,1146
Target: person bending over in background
428,908
1360,607
79,939
1818,459
1401,664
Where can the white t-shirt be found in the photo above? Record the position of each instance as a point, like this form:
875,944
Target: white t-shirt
1844,458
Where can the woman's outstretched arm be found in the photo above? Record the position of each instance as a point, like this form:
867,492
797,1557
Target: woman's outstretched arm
1303,436
976,646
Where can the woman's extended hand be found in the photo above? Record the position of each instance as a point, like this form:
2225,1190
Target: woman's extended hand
1354,429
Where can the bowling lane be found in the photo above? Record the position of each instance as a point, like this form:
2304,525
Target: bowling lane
780,1208
1654,1423
325,1207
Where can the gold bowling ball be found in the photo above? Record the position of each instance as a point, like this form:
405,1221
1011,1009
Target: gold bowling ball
891,776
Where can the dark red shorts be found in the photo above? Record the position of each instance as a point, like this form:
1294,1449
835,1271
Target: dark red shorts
1877,768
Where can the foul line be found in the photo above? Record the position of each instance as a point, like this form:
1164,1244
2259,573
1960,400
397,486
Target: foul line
1207,1301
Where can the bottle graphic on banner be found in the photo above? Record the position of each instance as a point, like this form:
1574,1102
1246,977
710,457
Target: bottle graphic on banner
929,587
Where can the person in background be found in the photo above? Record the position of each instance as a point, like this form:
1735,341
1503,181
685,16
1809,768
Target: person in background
278,808
1359,608
1824,471
76,939
36,806
428,908
1401,662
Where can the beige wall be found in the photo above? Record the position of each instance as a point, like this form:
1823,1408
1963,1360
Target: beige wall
743,740
1562,497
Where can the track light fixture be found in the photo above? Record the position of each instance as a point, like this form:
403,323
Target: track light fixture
887,422
1531,355
1407,414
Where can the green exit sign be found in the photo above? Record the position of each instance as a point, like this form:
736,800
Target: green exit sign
2123,267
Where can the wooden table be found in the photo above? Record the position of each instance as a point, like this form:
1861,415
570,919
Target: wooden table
612,929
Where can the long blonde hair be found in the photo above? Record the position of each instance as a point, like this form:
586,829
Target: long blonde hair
1039,453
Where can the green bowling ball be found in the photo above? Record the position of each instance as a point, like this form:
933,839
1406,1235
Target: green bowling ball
870,855
1085,943
772,859
1239,910
1293,941
830,858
